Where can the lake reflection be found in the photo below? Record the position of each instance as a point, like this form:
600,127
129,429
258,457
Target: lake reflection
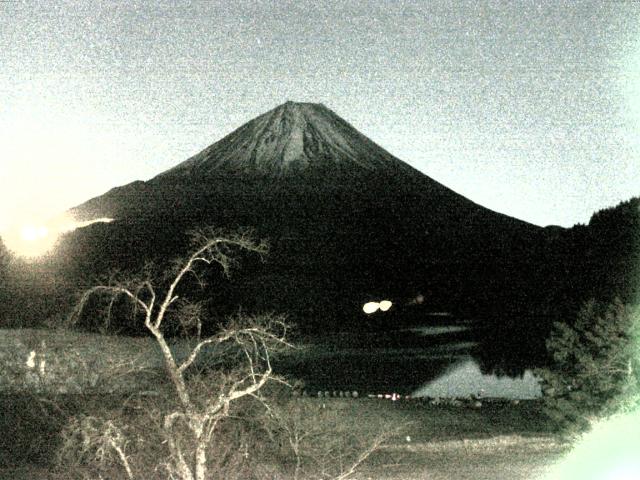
439,329
430,360
464,378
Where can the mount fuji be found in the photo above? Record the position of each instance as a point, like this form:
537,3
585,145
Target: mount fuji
347,222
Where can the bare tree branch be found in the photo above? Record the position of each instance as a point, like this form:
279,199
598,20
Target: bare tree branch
374,446
253,337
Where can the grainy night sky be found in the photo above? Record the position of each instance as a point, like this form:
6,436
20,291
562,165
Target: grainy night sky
531,108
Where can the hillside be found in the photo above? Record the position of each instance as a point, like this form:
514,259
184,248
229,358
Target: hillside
347,222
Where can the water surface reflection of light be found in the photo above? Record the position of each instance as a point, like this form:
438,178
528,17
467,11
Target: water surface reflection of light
465,378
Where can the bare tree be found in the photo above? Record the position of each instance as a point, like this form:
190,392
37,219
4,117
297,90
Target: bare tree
328,441
251,339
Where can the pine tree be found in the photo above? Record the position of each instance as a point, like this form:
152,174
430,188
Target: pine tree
595,366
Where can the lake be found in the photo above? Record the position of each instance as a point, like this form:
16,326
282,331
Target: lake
435,360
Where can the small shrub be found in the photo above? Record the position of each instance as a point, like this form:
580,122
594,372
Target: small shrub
317,440
30,427
129,441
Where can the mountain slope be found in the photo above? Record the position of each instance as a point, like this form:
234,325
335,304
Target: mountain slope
347,222
295,143
291,138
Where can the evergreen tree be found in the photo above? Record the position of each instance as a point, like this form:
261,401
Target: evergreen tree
595,365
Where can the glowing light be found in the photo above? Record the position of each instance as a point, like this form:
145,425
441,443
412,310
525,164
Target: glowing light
370,307
624,472
608,452
35,238
31,361
385,305
32,233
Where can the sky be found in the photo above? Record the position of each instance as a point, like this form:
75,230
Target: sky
530,108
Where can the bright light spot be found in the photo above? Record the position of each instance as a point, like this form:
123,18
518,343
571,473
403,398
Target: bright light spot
31,361
45,147
385,305
32,233
370,307
608,452
624,472
35,238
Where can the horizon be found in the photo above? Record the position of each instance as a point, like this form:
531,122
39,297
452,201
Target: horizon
529,111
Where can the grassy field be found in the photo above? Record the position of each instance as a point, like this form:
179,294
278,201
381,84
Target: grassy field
501,441
497,441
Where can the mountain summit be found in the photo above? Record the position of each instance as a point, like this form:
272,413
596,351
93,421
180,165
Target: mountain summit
347,222
291,138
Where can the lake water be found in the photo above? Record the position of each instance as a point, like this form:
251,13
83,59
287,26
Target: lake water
434,360
464,378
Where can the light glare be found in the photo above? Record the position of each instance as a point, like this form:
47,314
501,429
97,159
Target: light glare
36,238
370,307
385,305
31,233
607,452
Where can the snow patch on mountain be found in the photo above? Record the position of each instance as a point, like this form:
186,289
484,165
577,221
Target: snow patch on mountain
290,138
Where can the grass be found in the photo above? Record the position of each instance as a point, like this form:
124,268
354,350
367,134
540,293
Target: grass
497,441
439,442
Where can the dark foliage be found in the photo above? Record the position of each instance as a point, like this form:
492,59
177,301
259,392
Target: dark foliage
613,253
602,259
333,246
31,425
594,364
4,280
